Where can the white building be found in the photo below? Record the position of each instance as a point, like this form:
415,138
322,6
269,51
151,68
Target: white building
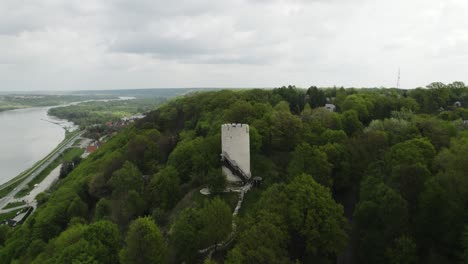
235,153
330,107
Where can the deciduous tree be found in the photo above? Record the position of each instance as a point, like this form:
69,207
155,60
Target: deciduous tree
144,243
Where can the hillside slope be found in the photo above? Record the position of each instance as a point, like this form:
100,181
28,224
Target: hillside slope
366,180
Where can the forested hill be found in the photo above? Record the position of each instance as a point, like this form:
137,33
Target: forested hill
381,180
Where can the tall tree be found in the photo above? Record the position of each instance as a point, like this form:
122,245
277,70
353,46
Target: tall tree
144,243
264,240
312,161
286,129
380,217
185,235
125,179
165,188
316,97
216,217
314,220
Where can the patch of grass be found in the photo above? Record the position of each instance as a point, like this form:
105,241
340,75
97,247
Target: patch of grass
9,215
72,153
250,199
9,188
23,192
14,204
77,142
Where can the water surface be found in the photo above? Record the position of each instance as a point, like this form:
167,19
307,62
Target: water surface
26,136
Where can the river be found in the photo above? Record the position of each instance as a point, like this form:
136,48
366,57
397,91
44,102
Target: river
26,136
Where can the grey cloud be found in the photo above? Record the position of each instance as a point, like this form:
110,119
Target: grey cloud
195,51
125,43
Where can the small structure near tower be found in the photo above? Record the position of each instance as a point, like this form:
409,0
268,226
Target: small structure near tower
235,153
330,107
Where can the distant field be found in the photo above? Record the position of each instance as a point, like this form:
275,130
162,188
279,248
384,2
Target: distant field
16,101
90,113
143,93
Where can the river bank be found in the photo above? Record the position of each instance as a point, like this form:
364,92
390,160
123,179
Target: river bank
25,138
37,133
28,135
13,183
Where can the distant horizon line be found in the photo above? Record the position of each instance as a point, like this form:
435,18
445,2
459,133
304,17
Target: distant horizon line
201,88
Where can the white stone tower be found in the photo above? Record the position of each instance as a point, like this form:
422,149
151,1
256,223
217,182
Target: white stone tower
235,153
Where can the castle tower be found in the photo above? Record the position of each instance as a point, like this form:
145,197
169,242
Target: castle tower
235,153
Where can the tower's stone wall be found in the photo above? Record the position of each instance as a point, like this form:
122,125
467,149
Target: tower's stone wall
235,143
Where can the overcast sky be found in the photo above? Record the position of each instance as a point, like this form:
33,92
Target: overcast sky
108,44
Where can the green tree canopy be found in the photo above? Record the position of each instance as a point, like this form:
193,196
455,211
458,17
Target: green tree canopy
312,161
144,243
314,220
216,217
125,179
165,188
264,240
380,217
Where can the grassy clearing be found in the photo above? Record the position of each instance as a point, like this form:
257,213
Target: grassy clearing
14,204
72,153
77,142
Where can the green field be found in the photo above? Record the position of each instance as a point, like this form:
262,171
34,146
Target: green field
71,153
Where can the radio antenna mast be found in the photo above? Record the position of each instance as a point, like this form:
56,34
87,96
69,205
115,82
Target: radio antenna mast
398,80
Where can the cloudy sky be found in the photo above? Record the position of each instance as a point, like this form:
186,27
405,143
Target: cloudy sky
108,44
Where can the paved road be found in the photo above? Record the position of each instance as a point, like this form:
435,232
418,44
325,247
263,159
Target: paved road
12,209
9,197
30,199
43,186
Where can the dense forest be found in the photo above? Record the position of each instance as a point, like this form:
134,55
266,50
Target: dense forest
383,179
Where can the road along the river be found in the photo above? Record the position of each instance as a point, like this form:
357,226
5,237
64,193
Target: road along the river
38,169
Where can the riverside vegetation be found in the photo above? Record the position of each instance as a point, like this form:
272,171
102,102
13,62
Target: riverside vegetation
381,180
12,101
99,112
